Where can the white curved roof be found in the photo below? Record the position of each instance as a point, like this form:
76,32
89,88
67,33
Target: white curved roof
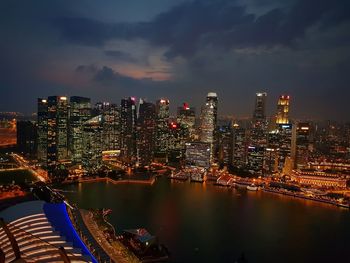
37,240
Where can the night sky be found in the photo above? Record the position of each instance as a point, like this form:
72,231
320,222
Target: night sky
181,50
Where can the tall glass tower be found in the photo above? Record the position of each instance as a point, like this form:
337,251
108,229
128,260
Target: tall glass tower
128,129
208,122
57,130
282,110
162,129
79,112
42,131
145,133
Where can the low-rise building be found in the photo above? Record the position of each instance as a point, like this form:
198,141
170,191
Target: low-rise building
320,179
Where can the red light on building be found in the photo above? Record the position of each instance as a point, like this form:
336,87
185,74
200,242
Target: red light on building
186,106
173,125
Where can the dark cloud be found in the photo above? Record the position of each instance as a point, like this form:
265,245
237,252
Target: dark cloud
233,47
189,25
120,55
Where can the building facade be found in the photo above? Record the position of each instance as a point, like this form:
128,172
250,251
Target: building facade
146,127
57,130
128,129
162,129
79,113
42,131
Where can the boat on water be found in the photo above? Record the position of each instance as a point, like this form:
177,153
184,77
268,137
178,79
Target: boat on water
252,187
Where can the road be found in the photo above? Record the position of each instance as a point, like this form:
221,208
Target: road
39,173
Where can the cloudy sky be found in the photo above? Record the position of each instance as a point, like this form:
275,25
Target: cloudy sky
180,49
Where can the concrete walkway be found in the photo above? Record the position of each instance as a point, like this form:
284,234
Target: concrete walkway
117,252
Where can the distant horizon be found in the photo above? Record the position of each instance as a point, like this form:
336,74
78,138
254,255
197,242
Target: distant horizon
270,109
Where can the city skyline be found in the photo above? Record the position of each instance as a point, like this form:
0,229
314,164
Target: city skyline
174,131
116,49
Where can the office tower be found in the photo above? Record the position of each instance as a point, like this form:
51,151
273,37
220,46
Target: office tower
57,131
239,158
92,144
225,144
146,126
303,144
186,116
282,110
212,99
128,130
111,128
42,131
178,136
208,123
279,148
79,113
27,137
257,135
198,154
162,129
259,114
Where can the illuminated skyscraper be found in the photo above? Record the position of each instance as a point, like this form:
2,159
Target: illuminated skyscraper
239,146
162,129
303,144
279,148
186,116
128,129
79,112
225,144
257,135
57,132
42,131
282,110
208,123
178,137
212,98
260,107
198,154
111,128
92,144
146,125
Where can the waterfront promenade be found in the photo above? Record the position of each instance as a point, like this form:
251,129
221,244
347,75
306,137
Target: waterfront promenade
115,250
149,181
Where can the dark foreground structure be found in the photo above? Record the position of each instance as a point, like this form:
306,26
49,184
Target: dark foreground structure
37,231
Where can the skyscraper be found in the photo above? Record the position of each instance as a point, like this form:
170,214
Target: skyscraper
260,107
257,135
79,113
146,124
111,127
208,123
239,146
57,132
186,116
198,154
128,129
280,148
27,137
303,144
42,131
92,144
282,110
178,137
225,144
162,129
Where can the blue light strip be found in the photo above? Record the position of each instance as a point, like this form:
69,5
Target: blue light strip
59,218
